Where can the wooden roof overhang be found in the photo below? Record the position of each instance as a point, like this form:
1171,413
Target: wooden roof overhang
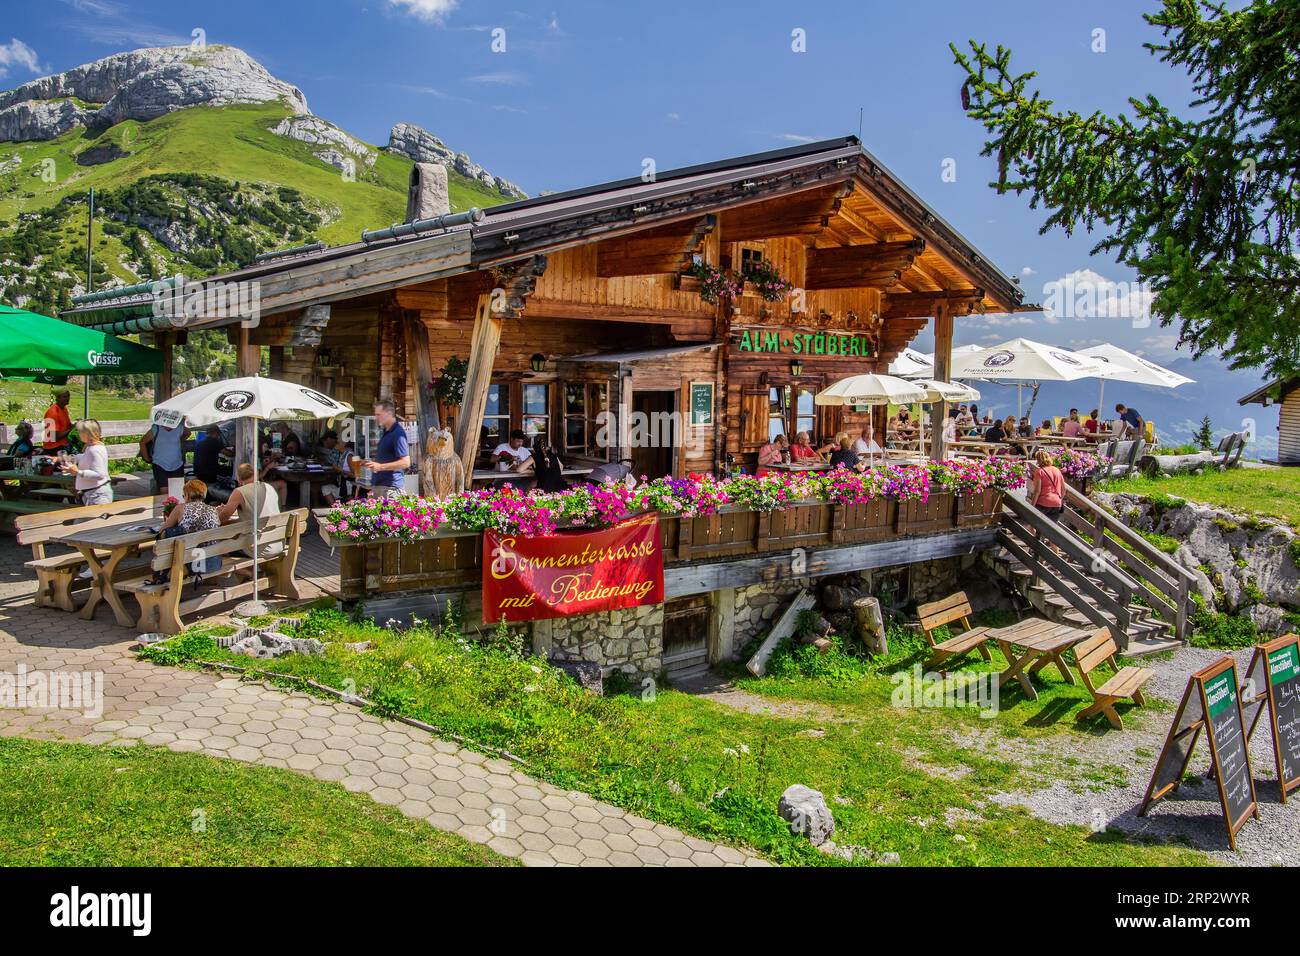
863,228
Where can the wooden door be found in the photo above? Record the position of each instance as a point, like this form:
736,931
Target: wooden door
653,434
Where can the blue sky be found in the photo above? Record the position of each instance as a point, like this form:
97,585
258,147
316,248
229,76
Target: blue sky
584,91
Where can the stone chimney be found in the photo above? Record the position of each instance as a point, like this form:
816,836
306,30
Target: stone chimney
426,195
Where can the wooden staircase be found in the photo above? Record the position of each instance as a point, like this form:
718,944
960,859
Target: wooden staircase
1090,569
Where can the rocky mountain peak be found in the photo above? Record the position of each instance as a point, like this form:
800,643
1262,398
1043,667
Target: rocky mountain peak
140,85
421,146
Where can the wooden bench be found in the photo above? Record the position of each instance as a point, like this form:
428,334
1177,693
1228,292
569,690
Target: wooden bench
1126,684
56,575
161,607
953,609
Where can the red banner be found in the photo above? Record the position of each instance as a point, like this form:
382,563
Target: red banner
526,579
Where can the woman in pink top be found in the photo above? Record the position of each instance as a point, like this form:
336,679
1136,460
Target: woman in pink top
1072,427
1047,487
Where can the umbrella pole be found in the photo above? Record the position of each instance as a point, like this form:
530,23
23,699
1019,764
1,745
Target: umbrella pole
1101,401
257,506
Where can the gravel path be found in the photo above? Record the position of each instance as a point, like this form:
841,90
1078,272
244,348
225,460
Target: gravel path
1192,813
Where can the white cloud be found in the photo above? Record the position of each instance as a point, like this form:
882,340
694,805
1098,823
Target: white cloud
1027,272
796,138
430,11
18,53
503,78
1085,294
674,116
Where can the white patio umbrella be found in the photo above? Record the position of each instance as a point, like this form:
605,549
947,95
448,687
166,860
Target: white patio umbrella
870,389
1124,366
249,397
911,363
937,391
1022,360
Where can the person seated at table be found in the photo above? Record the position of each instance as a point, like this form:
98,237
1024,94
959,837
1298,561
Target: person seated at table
207,456
269,460
902,424
866,445
1044,430
291,447
336,456
951,425
828,447
192,514
974,414
515,447
94,485
1024,429
251,499
773,453
23,445
1093,423
963,420
1072,427
996,432
545,463
844,456
802,451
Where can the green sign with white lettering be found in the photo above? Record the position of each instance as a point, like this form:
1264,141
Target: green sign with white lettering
792,342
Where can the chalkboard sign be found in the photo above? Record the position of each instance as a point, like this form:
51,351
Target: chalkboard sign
701,403
1210,703
1274,681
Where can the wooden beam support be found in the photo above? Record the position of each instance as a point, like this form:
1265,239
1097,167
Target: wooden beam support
852,266
515,282
910,305
664,249
942,371
801,213
420,372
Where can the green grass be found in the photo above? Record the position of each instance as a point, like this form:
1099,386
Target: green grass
75,805
890,774
29,400
1260,491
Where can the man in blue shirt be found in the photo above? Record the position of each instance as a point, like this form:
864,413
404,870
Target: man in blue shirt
392,457
164,449
1134,423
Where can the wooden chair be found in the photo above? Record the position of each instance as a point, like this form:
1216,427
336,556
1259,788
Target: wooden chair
953,609
161,607
57,574
1125,684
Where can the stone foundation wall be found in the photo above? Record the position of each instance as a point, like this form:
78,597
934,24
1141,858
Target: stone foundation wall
630,640
757,607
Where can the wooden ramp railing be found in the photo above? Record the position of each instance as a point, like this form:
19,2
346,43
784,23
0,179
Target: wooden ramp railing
1165,584
1105,571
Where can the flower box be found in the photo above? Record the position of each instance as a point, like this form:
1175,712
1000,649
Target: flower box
980,507
936,513
870,521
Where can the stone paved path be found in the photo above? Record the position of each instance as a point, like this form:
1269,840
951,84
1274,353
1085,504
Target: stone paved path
482,799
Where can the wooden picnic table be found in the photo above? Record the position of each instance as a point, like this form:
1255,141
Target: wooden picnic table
56,480
307,480
120,541
1041,642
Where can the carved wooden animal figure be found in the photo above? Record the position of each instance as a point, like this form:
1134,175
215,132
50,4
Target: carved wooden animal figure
442,472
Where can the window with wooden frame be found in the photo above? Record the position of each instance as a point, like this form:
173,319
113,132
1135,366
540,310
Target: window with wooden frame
583,404
536,418
750,256
496,416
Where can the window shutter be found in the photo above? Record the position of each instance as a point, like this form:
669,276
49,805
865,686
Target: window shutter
753,418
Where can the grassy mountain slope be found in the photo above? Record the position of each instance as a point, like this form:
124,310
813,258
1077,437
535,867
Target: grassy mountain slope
232,145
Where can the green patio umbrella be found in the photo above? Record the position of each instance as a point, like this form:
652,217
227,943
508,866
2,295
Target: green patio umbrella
37,348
